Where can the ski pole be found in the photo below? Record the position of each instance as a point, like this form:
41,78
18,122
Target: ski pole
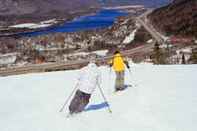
110,70
66,102
109,109
129,71
130,75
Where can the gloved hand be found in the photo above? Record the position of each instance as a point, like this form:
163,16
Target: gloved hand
128,66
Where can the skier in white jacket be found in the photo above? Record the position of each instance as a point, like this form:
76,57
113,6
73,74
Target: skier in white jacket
89,76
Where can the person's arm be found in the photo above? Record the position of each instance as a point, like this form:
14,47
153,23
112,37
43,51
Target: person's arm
126,63
110,63
99,80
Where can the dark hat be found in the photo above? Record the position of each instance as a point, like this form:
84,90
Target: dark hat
116,52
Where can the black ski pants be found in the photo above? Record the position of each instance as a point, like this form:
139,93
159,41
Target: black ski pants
79,102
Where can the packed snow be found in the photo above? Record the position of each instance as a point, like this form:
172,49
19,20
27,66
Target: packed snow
166,46
130,38
150,41
35,25
101,52
184,50
30,25
98,52
9,58
49,21
163,98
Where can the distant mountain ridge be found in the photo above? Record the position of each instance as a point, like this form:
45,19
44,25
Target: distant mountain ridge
178,18
19,11
147,3
21,7
27,11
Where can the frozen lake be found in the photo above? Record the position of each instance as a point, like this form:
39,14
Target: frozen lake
101,19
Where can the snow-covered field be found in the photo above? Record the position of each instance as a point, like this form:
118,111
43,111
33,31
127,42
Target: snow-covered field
98,52
130,38
36,25
164,98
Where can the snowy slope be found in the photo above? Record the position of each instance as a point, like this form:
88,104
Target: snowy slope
164,99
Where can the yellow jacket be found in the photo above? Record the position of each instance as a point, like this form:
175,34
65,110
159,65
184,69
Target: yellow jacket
118,63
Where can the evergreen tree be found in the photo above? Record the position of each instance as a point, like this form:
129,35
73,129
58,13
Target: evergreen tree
183,59
158,55
193,58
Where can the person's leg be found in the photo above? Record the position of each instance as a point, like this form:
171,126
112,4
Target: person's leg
122,80
84,101
79,102
75,102
118,81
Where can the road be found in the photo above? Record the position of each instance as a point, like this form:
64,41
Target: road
143,20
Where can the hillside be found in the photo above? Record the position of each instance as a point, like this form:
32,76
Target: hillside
21,7
163,99
27,11
179,18
30,10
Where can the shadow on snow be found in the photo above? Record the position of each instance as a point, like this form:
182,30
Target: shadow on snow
97,106
103,104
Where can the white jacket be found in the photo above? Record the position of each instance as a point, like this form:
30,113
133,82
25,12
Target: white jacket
88,78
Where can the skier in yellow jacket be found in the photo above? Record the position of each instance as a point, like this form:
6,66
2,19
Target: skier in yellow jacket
118,63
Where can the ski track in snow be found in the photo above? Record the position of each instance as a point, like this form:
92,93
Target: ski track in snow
164,99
